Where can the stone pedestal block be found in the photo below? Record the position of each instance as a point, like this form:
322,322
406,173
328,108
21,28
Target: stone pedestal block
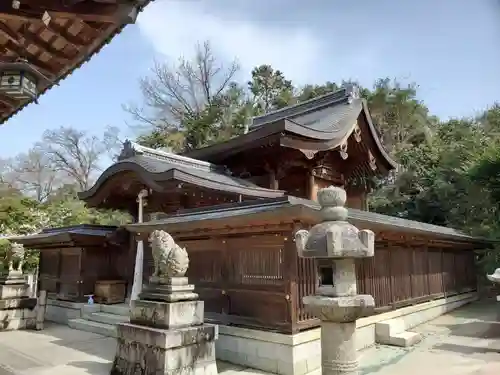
13,286
17,310
167,315
153,351
166,333
171,289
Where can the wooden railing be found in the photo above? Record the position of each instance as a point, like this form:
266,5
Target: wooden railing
398,276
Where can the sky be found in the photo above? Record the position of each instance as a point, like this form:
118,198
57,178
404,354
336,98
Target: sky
448,47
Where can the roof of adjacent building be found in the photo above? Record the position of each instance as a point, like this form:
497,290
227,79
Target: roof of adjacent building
156,166
70,235
319,124
293,208
57,37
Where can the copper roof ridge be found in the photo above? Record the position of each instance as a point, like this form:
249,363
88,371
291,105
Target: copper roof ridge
131,149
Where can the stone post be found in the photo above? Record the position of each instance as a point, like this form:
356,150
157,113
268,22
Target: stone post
139,255
495,278
166,333
17,309
338,305
41,307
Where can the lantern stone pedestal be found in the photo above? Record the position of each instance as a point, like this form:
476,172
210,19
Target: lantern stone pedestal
338,305
17,309
166,333
495,278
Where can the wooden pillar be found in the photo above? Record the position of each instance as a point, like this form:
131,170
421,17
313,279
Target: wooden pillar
312,188
273,179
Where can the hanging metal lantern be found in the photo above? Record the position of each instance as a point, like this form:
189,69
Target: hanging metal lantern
19,80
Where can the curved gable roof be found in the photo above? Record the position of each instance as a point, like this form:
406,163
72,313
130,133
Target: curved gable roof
155,166
322,123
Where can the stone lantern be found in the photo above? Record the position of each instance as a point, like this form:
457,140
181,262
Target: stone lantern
338,306
495,279
19,80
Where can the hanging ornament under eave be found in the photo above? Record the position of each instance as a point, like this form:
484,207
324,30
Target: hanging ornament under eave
19,80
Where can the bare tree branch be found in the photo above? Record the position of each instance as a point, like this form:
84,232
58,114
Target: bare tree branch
175,91
77,154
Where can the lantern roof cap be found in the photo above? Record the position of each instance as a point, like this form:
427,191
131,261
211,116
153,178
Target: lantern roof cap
24,66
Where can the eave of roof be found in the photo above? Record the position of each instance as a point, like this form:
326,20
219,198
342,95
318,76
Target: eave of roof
294,208
345,108
65,235
81,61
154,170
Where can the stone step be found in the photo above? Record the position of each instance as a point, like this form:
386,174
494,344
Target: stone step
105,318
121,309
393,332
404,339
94,327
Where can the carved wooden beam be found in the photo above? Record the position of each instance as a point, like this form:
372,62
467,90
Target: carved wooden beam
31,38
51,26
86,11
63,34
8,102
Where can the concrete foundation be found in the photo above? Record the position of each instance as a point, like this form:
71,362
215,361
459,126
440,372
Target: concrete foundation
62,312
300,354
291,354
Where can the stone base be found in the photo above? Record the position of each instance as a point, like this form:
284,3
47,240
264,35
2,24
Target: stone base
17,313
153,351
62,312
168,290
300,354
167,315
393,332
13,286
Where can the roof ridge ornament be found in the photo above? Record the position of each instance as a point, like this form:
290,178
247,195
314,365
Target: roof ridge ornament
131,149
352,92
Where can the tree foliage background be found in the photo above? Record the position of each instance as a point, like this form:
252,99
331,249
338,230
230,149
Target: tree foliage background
449,169
38,188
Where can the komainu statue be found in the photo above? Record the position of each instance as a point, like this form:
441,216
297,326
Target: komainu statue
170,260
16,254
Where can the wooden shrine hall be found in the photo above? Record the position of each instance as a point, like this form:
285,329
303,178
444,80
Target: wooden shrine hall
44,41
236,205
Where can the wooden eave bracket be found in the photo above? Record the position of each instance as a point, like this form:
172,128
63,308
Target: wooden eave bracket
122,13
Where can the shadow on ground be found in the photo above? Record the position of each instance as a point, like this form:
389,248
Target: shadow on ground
466,349
485,310
86,342
96,368
92,368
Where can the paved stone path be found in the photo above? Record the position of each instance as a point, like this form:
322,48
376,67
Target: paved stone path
464,342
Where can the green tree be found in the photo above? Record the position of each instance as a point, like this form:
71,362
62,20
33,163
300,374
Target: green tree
270,89
312,91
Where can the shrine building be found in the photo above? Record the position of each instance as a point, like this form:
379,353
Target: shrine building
235,206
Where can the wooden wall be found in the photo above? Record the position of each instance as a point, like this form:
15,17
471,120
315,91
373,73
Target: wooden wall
252,276
70,273
399,276
243,278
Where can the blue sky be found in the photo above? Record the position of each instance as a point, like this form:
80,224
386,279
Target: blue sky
449,47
